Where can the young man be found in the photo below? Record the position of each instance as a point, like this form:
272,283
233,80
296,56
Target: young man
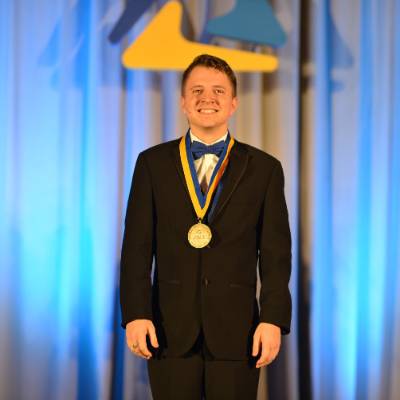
208,208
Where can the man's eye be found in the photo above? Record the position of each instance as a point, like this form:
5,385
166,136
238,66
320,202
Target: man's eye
196,91
219,91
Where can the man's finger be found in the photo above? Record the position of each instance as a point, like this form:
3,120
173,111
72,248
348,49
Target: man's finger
256,344
265,354
131,341
274,353
132,346
143,346
153,336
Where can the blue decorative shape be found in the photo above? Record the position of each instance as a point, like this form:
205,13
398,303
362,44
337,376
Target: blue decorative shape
133,11
250,21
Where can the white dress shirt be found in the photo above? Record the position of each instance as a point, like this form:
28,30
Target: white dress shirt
206,163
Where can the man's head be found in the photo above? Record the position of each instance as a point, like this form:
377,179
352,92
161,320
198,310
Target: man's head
208,96
208,61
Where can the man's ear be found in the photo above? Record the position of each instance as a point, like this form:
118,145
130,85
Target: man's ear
235,104
183,104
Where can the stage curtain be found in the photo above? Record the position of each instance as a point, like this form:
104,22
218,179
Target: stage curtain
72,122
354,191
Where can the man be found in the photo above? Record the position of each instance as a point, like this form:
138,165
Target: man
208,208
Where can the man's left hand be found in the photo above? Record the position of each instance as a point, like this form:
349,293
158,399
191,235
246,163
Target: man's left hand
268,336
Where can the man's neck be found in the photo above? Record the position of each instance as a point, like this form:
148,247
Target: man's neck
209,137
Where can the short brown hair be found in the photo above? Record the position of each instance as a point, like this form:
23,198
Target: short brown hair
209,61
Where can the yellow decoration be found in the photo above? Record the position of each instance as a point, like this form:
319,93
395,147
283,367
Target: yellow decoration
161,46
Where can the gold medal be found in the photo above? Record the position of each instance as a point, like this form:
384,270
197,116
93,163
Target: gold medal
199,235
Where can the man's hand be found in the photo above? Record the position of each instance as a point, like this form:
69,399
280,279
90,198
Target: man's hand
136,332
269,337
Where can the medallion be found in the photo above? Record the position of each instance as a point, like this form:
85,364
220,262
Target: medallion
199,235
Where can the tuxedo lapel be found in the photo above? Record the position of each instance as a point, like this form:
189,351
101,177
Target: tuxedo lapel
178,164
238,160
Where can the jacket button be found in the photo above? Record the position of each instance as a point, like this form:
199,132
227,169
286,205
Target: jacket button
206,282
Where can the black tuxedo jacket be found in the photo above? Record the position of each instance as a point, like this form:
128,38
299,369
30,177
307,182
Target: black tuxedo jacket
213,287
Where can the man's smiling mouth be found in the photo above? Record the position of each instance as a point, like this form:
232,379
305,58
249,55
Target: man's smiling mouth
207,111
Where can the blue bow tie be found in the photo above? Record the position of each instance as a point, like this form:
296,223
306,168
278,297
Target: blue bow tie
199,149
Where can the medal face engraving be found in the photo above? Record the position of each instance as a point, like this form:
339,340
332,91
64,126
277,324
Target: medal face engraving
199,235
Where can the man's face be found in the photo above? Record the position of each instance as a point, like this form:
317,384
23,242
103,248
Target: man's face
208,100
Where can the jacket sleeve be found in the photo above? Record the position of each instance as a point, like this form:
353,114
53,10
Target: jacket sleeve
275,255
137,247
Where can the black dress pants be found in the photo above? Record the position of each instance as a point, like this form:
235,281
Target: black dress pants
198,375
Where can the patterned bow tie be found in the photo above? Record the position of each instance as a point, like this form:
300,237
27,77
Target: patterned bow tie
199,149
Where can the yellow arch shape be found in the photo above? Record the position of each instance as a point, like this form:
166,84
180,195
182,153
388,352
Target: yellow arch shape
161,46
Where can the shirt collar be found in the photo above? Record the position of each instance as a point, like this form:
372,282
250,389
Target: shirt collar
194,137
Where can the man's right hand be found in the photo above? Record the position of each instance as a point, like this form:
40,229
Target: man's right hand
136,332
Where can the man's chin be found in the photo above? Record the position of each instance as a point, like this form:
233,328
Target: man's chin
208,123
207,127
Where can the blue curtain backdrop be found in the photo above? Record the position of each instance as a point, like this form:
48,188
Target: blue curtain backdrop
356,192
72,122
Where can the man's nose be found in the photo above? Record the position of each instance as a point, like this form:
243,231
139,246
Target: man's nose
208,97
